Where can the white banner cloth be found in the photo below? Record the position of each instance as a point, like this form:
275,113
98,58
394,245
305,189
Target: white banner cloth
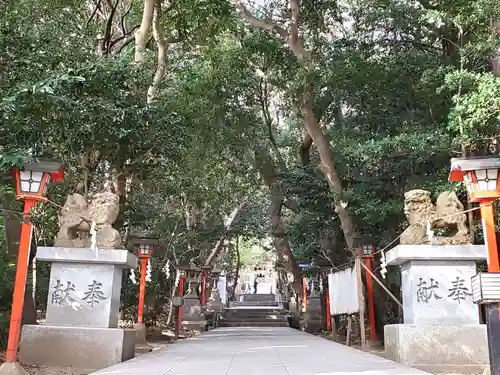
221,286
343,292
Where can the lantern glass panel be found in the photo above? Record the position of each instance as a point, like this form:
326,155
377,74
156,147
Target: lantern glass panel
144,249
30,181
487,179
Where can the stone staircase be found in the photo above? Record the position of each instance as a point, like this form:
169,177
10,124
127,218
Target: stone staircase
255,310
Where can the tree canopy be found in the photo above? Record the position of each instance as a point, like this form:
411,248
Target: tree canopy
303,122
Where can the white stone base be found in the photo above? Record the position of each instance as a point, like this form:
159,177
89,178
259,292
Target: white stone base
82,348
439,348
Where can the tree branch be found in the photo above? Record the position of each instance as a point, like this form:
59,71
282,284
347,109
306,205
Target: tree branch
264,99
162,53
122,20
106,40
142,34
266,25
294,40
305,149
126,38
94,12
227,227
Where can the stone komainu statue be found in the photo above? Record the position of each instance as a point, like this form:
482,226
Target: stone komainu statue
419,210
74,228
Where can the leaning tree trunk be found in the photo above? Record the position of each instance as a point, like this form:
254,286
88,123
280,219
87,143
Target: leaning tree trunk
290,35
281,242
322,143
238,265
267,169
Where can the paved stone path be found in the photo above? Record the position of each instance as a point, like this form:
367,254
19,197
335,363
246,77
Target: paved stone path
258,351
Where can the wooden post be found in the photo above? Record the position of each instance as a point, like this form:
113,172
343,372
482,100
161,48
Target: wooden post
361,303
349,329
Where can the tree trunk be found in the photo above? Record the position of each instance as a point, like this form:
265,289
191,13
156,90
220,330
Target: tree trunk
238,264
142,34
281,243
162,54
326,155
267,169
292,38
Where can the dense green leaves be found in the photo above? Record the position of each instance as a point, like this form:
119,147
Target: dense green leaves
399,87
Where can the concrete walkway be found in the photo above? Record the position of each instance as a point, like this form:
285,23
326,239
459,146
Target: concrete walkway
257,351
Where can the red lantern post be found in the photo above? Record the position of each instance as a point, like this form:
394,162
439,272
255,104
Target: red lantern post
31,186
181,294
144,251
480,175
205,270
304,291
368,260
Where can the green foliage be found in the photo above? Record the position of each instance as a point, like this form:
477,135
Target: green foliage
399,89
476,112
7,272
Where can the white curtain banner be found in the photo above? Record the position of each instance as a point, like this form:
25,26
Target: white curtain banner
221,286
343,291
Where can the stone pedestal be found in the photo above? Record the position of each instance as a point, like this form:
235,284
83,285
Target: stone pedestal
214,303
141,333
193,313
312,322
82,311
441,330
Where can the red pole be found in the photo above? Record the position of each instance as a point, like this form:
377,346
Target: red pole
181,292
328,315
203,282
371,306
20,284
490,236
142,290
304,286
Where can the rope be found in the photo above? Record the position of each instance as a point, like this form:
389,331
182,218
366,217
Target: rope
398,237
47,200
436,219
11,211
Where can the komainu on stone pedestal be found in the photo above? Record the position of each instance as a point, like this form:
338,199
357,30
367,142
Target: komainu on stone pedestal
420,210
76,217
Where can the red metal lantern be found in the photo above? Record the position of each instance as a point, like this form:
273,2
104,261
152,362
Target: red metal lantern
480,176
33,179
31,186
145,251
145,245
368,250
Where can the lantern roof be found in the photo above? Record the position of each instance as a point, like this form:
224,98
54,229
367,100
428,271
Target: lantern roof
54,167
43,165
459,166
143,240
186,265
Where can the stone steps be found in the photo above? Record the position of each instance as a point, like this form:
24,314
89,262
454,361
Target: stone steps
258,297
255,314
255,303
262,316
270,318
254,324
